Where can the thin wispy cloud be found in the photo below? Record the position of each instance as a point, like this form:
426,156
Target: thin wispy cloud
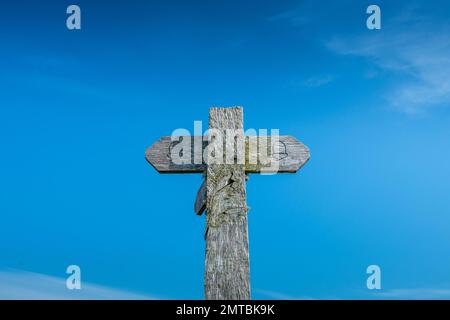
270,294
386,294
23,285
412,48
318,81
415,294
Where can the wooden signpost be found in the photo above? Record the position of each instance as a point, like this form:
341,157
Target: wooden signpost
225,159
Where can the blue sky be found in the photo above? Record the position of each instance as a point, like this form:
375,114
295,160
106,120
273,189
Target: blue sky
79,108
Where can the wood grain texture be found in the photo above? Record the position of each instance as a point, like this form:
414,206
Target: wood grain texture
227,266
289,156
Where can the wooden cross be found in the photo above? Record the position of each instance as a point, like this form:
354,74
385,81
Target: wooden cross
223,193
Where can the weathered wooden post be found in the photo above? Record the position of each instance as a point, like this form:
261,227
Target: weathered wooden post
227,265
223,193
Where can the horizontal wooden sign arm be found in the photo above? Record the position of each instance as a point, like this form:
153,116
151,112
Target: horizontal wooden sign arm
280,154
